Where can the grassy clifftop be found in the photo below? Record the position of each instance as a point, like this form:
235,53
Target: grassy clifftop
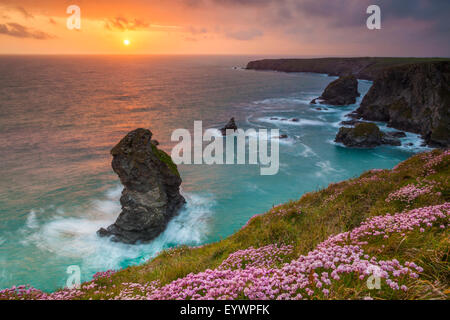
391,225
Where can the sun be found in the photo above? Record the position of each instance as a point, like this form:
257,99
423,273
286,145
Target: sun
126,42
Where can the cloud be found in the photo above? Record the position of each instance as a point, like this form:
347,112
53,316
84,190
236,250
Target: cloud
19,31
24,12
353,12
244,35
123,24
246,2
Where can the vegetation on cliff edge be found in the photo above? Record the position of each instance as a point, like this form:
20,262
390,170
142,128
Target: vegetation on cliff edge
318,247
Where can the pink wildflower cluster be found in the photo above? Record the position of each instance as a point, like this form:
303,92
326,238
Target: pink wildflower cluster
30,293
338,259
409,193
136,291
432,161
264,257
104,274
313,275
332,197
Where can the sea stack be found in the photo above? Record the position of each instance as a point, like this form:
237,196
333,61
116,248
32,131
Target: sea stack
340,92
151,194
365,135
231,125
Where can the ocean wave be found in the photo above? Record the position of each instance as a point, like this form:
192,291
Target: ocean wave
76,237
301,122
31,221
307,152
284,101
326,168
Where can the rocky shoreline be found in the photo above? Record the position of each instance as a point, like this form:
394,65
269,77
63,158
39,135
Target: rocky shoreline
410,94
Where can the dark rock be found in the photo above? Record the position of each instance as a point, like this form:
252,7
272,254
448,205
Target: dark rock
231,125
151,194
295,120
396,134
284,119
273,118
413,97
313,101
410,144
390,140
364,135
353,115
342,91
282,136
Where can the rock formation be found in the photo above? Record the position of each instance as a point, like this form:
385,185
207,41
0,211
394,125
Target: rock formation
151,194
415,98
340,92
231,125
364,135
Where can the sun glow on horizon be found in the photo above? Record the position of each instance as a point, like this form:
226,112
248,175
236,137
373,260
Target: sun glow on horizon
126,42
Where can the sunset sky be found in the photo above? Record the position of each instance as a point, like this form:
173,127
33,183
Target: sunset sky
266,27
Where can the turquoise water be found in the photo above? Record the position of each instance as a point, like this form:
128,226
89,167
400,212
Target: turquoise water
60,116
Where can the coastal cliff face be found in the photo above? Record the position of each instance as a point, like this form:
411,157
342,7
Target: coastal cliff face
368,68
413,98
151,194
340,92
330,66
411,94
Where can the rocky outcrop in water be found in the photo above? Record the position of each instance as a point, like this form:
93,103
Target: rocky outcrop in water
413,98
365,135
151,194
340,92
231,125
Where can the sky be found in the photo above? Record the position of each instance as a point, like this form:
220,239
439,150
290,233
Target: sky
245,27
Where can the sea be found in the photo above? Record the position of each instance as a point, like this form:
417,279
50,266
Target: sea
61,115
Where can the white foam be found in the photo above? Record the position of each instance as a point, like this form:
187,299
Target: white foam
76,237
284,101
307,152
31,222
270,135
325,168
301,122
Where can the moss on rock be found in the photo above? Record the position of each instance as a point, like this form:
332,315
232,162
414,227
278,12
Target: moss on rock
164,157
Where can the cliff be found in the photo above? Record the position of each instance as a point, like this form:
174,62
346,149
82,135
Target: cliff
367,68
326,245
411,94
413,98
